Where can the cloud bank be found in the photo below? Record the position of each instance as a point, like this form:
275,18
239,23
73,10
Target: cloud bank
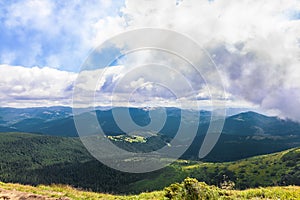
23,87
255,44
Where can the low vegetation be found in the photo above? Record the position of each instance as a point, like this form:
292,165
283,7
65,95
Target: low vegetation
189,189
62,191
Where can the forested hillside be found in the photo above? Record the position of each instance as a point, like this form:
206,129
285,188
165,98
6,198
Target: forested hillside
38,159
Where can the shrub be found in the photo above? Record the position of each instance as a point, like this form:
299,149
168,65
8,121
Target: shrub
173,191
227,184
191,189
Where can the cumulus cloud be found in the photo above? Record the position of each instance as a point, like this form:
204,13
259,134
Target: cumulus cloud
22,87
36,87
255,44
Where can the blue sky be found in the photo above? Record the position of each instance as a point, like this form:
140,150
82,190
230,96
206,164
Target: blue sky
254,43
50,33
294,14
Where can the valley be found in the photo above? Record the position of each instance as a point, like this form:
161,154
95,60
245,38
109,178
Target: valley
37,159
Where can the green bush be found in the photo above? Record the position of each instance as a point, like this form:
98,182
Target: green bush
191,189
173,191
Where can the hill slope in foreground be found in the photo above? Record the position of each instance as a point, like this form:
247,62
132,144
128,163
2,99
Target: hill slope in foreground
188,189
37,159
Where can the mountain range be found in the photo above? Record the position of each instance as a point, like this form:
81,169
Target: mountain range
244,134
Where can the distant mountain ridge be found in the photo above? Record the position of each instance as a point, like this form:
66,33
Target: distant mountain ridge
252,123
9,116
59,121
245,134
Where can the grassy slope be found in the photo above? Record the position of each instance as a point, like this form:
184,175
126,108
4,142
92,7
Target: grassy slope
58,191
281,168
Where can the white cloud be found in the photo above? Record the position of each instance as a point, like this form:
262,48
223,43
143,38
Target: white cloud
33,13
35,87
254,43
20,86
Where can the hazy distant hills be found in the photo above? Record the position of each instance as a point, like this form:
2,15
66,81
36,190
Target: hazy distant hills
244,134
59,121
251,123
10,116
45,120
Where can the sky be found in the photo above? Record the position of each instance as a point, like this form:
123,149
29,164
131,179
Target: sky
254,44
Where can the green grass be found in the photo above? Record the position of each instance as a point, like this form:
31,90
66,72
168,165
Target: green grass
188,189
128,138
59,191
